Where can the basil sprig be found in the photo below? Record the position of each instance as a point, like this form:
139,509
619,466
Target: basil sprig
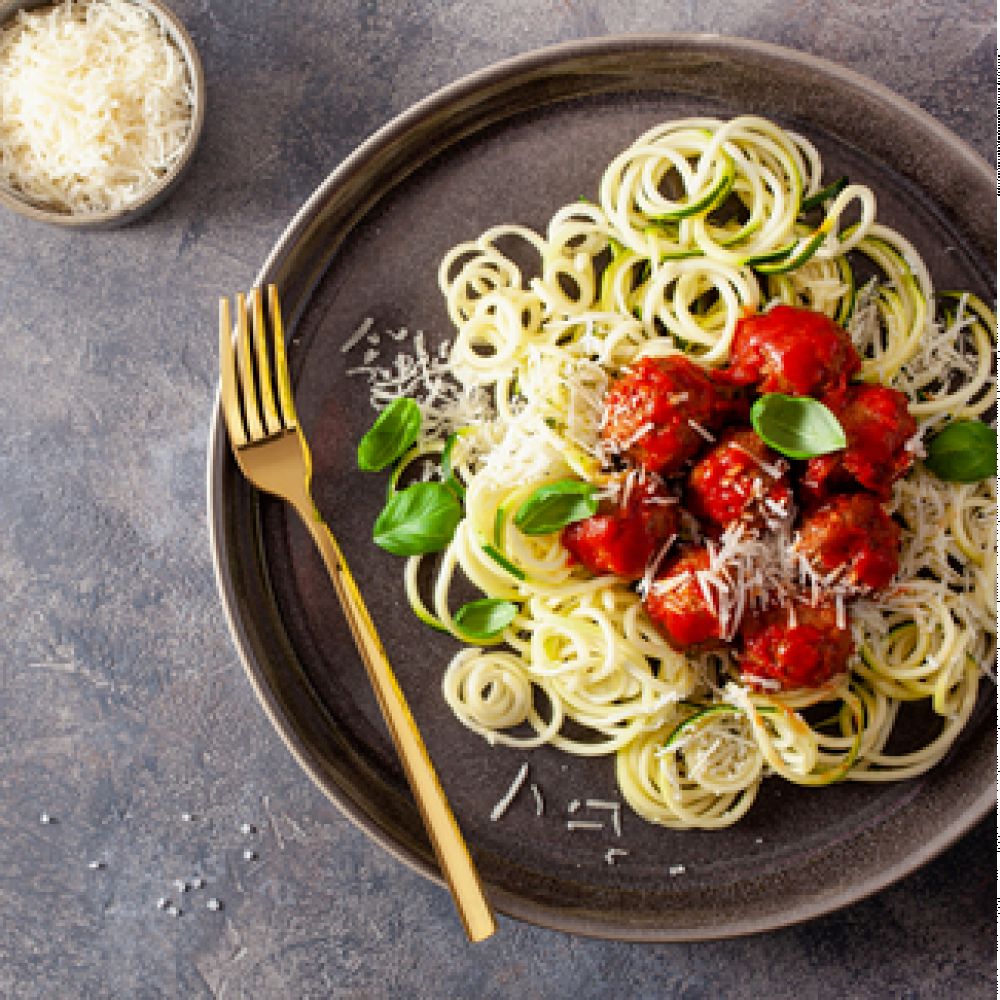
393,433
555,505
422,518
797,426
964,452
485,619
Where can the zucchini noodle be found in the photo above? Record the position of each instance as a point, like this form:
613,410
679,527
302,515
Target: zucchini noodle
698,221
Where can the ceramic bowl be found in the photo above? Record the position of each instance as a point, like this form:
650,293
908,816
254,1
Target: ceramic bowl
157,192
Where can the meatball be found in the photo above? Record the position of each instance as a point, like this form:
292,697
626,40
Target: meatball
733,402
797,646
739,479
678,606
653,412
852,532
795,351
623,537
878,425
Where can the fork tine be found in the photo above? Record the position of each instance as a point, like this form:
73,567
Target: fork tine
251,411
227,376
272,422
281,359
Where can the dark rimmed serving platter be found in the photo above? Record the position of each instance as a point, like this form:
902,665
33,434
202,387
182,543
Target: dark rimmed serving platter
512,143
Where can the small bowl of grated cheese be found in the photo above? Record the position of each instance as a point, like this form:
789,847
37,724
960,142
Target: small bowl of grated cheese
102,103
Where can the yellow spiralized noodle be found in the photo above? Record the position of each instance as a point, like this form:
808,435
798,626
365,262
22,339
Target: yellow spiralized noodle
708,783
698,221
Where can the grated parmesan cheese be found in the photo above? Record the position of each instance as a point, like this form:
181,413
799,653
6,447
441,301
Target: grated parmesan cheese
653,567
424,377
698,429
359,334
95,104
504,804
539,800
614,808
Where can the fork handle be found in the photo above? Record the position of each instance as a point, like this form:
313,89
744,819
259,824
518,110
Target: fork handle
446,838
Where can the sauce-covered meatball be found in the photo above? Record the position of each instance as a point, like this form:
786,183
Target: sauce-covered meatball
878,425
795,351
797,647
653,411
678,606
739,479
854,534
623,536
733,402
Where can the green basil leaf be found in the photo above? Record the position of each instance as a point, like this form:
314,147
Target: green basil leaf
555,505
797,426
394,431
422,518
485,619
964,452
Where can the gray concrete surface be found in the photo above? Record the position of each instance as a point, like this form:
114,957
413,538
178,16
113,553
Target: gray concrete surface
122,703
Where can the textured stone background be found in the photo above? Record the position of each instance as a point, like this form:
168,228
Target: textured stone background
122,703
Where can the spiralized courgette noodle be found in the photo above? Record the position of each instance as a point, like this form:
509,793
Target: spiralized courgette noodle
643,273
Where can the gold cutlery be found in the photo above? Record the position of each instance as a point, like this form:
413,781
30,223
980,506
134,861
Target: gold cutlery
271,451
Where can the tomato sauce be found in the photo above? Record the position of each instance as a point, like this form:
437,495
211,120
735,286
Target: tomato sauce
852,533
650,413
624,536
794,351
878,425
804,648
738,479
680,611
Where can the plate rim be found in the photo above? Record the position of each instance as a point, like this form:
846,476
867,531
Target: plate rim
550,57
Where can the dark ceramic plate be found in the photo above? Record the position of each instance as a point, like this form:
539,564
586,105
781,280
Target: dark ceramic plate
511,144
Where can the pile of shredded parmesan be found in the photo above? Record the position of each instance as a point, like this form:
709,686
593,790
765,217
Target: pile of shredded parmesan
421,375
95,104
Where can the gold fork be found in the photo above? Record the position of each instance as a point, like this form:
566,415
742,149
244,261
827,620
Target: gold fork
273,454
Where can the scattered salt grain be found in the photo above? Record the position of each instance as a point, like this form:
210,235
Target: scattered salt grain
186,817
95,865
162,903
247,828
249,855
45,819
676,870
197,883
213,904
172,910
180,885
